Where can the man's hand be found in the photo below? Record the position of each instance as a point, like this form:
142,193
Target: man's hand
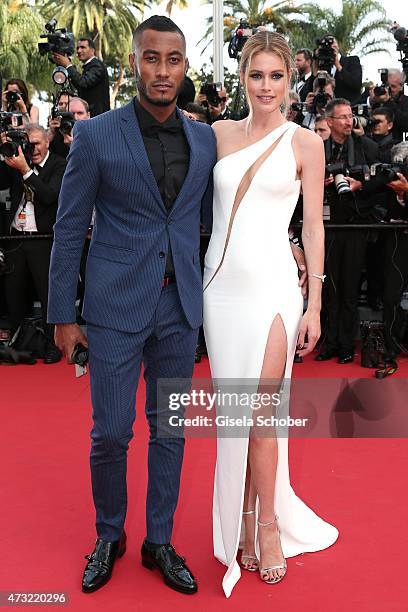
309,100
67,336
354,185
299,256
400,185
61,60
359,131
329,180
68,138
18,162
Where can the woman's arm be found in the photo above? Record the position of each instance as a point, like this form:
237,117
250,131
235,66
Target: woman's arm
309,152
34,114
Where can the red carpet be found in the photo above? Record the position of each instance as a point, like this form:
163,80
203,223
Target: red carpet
47,518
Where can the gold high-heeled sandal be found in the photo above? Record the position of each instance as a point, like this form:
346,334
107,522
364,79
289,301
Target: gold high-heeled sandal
263,571
255,566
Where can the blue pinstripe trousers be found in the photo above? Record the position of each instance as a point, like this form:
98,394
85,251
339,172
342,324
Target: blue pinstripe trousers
166,347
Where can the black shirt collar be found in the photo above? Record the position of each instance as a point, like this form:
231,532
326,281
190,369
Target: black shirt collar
147,121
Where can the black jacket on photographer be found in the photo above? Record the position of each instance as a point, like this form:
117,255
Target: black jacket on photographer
92,85
399,108
353,207
349,79
385,144
46,188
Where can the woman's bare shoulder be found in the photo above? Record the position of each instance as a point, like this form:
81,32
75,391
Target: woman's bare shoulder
305,137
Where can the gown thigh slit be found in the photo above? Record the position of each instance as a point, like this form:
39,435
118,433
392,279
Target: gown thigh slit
251,299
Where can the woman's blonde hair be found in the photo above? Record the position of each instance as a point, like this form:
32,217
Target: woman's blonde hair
269,42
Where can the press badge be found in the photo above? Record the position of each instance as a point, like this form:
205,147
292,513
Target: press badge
22,218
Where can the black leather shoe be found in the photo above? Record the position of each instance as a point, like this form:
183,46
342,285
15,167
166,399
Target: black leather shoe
326,354
346,357
175,572
53,354
100,564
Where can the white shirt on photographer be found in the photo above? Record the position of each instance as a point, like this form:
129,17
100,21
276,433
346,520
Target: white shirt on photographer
30,224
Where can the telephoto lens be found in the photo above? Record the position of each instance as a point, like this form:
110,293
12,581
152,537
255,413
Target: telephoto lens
342,185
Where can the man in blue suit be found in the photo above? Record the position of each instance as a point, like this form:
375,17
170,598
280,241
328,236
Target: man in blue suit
145,170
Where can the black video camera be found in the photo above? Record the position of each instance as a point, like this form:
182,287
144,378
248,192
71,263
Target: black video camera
401,36
58,41
389,171
9,124
239,38
382,89
211,91
339,170
325,54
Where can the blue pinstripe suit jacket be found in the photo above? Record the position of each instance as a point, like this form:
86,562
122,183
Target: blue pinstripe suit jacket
108,169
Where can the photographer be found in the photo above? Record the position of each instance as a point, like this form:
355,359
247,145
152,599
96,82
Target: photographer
293,111
346,70
348,199
55,136
392,96
317,100
79,110
381,132
216,103
19,102
93,84
321,127
393,246
34,192
304,82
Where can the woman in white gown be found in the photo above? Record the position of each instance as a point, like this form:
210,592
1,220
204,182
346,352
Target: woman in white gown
253,309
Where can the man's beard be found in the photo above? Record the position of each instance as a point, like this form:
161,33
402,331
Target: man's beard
141,87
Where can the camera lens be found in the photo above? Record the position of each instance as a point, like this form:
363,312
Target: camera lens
342,185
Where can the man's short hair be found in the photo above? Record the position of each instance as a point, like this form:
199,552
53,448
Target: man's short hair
386,112
320,118
36,127
331,105
307,54
159,23
88,40
197,109
83,102
400,73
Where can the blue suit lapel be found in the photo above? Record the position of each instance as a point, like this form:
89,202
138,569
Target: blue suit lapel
188,181
131,132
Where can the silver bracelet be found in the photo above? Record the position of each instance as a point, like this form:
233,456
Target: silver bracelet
321,276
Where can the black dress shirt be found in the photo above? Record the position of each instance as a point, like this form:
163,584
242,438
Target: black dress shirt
169,155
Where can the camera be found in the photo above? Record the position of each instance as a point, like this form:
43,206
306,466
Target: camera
382,89
299,107
211,91
239,38
58,41
321,97
339,170
12,98
9,124
67,122
389,171
324,54
401,36
362,117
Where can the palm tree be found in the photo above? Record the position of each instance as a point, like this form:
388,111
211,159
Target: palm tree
360,28
181,4
20,28
256,12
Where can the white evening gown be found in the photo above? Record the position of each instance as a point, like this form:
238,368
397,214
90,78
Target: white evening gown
250,277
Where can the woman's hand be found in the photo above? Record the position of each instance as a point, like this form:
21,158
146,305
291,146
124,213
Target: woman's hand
310,326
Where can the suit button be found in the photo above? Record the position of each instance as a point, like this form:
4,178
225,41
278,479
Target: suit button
161,254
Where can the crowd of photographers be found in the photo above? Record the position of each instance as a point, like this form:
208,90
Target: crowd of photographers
366,182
